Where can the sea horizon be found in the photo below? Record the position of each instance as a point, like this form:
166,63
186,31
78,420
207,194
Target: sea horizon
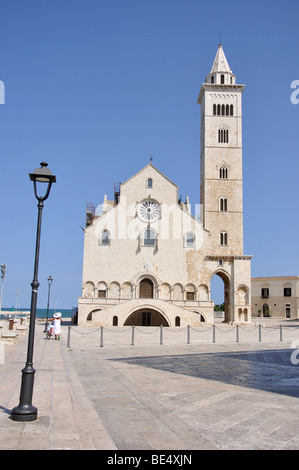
40,312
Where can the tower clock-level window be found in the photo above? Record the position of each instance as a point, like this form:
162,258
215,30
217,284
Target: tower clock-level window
223,238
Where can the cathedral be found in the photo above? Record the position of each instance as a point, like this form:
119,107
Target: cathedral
148,261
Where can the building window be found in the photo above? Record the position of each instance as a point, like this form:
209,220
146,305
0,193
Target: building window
190,240
102,294
223,238
223,172
223,110
146,289
105,238
223,204
222,135
222,79
149,237
287,292
177,321
265,293
190,295
115,320
149,183
212,79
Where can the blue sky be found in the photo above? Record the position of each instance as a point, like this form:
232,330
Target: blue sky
94,87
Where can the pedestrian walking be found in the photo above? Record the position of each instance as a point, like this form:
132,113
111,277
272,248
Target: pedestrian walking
57,324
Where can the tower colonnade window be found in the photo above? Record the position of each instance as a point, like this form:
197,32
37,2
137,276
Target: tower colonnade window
222,135
223,173
223,110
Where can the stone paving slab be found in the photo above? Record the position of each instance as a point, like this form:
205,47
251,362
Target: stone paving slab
174,397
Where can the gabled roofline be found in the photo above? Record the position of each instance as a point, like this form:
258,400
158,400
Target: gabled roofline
156,169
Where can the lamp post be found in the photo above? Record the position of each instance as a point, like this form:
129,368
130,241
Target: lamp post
3,271
50,280
25,411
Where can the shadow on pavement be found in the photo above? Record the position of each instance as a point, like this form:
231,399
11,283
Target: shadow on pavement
271,371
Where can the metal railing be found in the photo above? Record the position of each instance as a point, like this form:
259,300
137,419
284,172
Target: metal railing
209,334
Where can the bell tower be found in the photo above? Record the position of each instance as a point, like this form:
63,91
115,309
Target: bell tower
221,184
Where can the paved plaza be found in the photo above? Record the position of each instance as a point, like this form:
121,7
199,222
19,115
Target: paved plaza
236,390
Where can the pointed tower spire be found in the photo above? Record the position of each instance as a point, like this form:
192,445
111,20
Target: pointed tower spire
220,63
221,72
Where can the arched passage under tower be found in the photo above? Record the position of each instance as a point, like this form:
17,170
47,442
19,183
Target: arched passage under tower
220,292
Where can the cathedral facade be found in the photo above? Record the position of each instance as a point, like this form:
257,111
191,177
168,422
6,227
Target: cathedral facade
147,259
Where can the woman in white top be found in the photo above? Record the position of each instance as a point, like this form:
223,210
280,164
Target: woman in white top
57,324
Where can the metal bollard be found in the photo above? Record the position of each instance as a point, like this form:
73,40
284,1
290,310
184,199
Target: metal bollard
280,327
260,332
237,333
101,338
214,334
69,337
161,334
133,335
188,334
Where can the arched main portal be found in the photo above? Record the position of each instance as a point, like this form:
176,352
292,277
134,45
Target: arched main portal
222,297
146,317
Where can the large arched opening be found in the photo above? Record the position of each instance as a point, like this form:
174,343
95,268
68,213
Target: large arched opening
146,317
220,294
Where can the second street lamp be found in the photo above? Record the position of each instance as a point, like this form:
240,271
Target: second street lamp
50,280
25,411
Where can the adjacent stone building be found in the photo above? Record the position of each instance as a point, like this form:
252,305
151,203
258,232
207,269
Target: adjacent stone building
275,296
148,258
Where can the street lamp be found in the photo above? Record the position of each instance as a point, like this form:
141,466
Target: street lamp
50,280
3,271
25,411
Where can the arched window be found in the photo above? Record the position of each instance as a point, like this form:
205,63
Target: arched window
149,183
104,239
223,238
149,237
189,240
218,109
222,79
231,110
223,204
227,110
177,321
146,289
212,79
222,135
115,320
223,173
223,110
214,109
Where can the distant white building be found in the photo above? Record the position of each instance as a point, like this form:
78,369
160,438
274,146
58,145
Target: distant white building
275,296
147,259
